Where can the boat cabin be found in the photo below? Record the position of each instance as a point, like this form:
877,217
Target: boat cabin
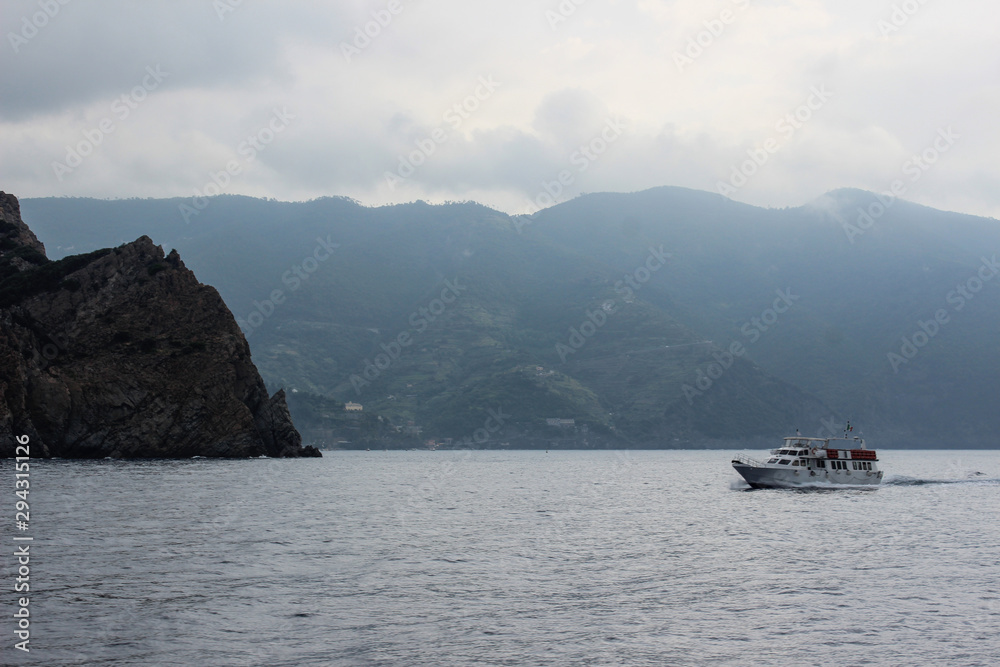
817,454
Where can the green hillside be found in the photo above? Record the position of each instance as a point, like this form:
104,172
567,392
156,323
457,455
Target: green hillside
616,311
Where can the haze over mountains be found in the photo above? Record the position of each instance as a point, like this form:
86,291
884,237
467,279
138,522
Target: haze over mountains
662,318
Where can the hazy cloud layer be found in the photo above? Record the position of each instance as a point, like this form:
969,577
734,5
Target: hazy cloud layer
455,100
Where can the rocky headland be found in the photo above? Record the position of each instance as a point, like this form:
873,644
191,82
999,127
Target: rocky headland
122,353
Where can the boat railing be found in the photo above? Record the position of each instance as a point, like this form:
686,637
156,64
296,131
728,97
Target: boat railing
748,461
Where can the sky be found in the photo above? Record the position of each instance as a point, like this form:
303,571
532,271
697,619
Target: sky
515,104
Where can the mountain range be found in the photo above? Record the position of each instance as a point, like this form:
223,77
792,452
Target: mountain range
663,318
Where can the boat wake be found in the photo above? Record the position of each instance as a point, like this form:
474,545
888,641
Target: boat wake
895,480
902,480
741,485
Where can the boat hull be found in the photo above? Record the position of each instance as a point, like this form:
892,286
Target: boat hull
768,477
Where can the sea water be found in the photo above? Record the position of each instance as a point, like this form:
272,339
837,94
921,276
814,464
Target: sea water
504,558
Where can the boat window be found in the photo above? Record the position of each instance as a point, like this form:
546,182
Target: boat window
784,462
772,460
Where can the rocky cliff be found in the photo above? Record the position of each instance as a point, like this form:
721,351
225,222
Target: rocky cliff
123,353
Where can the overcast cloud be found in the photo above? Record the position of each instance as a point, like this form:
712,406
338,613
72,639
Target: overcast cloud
269,89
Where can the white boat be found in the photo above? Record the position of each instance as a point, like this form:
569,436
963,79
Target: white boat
820,462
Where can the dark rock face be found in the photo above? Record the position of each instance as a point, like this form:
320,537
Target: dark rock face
123,353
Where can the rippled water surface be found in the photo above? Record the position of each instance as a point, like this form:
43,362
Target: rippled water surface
506,558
